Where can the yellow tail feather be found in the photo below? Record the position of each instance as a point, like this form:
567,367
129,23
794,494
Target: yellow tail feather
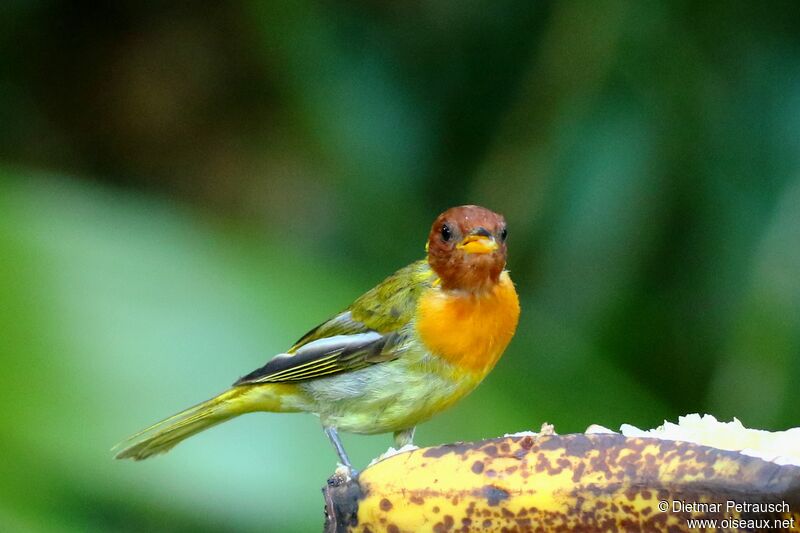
163,436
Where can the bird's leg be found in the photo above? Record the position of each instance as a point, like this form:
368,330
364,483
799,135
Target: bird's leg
337,445
404,437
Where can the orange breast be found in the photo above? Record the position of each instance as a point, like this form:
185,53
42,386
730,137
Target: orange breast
470,331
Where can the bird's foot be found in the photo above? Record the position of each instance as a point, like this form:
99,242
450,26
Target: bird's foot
547,430
392,452
344,473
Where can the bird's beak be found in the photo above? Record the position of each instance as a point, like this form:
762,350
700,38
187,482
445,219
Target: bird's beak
479,241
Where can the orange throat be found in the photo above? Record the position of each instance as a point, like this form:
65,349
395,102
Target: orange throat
470,331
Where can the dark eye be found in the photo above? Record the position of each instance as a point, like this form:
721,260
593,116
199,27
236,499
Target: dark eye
446,232
503,234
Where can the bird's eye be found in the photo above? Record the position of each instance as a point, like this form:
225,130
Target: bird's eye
446,232
503,234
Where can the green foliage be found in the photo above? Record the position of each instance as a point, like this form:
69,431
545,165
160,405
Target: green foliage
222,180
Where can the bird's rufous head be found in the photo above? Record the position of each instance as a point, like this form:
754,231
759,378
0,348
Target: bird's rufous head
467,248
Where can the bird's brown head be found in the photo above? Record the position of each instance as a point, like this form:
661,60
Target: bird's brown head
467,248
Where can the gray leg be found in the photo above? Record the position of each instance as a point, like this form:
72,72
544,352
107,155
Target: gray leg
404,436
337,444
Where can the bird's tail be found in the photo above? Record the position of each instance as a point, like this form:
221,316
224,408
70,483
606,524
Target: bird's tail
163,436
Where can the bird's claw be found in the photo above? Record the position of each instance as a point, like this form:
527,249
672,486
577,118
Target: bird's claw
343,474
392,452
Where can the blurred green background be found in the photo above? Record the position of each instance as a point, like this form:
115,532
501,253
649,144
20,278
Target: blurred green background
185,189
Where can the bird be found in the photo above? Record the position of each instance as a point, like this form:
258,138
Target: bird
404,351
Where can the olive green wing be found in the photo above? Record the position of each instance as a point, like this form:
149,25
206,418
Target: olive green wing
368,332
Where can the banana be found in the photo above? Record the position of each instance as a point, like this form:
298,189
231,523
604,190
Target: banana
587,482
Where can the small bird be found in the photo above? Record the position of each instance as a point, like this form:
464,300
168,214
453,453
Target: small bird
404,351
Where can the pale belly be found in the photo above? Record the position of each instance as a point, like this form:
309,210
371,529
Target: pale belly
387,397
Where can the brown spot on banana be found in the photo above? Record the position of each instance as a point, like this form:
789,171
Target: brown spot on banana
599,481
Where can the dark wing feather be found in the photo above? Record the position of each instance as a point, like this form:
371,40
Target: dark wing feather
368,332
327,355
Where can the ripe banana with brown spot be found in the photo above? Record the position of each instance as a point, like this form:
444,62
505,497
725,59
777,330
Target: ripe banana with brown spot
597,482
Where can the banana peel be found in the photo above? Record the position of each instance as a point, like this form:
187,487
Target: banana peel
583,482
